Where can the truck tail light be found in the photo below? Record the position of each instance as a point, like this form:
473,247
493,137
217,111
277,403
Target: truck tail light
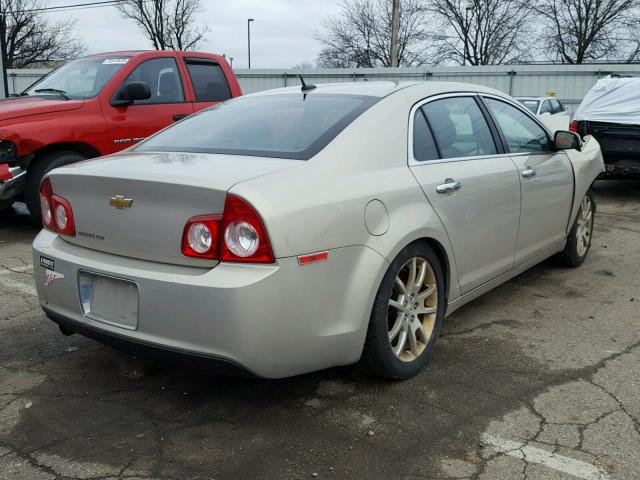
238,235
573,126
57,214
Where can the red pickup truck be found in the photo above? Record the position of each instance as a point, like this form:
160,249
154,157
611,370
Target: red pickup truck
99,105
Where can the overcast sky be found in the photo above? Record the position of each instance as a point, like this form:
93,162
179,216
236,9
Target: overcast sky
281,35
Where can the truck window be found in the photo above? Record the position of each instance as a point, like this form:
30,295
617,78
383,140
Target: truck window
208,80
163,78
556,107
545,108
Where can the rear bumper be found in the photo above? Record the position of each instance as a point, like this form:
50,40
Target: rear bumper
621,169
273,320
12,188
160,353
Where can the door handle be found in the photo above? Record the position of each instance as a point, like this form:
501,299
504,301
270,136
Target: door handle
179,116
529,172
448,186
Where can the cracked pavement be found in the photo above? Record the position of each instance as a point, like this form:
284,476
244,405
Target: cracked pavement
538,379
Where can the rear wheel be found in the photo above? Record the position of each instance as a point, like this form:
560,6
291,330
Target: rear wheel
579,238
37,171
407,315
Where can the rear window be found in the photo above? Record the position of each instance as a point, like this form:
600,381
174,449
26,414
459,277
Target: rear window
284,126
208,80
532,105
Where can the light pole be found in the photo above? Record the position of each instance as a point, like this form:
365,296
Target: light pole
249,20
466,36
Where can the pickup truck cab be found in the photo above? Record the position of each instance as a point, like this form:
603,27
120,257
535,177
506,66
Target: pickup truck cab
98,105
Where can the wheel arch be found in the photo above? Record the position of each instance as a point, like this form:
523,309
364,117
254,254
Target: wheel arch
80,147
443,258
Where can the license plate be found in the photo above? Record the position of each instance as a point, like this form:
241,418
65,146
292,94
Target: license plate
110,300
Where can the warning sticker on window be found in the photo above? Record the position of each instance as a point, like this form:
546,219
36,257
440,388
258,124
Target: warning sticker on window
115,61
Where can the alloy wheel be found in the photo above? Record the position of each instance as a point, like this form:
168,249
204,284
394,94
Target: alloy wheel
413,307
585,225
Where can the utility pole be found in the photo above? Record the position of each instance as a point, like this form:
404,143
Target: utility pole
466,36
4,86
395,28
249,20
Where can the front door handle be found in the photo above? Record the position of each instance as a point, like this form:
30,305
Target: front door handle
529,172
448,186
179,116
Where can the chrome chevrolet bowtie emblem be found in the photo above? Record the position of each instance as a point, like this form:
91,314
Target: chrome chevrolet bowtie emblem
119,201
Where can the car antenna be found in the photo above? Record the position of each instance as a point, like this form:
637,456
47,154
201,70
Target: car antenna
305,87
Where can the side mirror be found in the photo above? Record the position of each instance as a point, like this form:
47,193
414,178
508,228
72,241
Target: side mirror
564,140
131,92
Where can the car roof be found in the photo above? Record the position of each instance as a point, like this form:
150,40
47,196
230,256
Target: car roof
382,88
537,98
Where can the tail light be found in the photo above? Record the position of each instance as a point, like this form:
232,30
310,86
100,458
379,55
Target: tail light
57,214
573,126
239,235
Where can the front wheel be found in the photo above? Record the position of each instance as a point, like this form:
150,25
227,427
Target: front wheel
407,315
579,238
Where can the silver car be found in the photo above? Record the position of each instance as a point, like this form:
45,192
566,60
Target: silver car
299,229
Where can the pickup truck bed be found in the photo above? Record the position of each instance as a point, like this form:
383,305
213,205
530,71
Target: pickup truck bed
620,145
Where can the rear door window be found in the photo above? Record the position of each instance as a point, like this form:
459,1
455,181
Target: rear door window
424,147
208,80
556,107
546,107
459,128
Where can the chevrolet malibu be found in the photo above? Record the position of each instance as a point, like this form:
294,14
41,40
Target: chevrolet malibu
299,229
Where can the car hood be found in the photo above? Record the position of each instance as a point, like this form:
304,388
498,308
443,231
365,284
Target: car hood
25,106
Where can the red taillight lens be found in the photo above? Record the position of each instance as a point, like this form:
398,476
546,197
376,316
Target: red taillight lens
200,237
244,237
573,126
57,214
236,236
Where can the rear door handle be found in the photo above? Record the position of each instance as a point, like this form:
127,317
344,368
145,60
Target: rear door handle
448,186
179,116
529,172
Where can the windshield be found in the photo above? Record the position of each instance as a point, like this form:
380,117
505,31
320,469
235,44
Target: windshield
530,104
285,126
79,79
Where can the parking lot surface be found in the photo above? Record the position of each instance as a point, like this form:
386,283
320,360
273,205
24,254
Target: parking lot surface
538,379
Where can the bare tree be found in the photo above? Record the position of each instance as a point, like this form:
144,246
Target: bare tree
483,32
31,39
361,35
169,24
579,31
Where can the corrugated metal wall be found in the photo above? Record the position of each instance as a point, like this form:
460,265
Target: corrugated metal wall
569,82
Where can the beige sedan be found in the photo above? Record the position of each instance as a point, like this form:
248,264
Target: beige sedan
299,229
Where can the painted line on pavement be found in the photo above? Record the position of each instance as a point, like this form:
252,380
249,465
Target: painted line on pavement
560,463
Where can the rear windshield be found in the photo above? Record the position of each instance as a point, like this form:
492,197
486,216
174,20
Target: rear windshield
284,126
532,105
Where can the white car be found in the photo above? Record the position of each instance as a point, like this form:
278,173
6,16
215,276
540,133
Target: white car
543,105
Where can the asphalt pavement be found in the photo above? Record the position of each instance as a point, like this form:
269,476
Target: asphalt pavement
538,379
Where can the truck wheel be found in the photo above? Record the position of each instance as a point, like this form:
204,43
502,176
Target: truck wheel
406,316
579,238
38,170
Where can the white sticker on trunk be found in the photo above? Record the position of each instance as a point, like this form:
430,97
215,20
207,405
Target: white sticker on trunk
115,61
51,276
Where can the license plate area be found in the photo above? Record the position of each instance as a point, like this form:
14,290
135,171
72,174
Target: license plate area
110,300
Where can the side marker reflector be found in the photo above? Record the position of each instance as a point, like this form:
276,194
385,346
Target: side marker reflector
313,257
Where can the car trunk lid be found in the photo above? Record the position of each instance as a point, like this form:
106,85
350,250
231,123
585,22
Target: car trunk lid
136,204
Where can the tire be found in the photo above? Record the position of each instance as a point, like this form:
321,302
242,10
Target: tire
378,356
37,171
580,235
